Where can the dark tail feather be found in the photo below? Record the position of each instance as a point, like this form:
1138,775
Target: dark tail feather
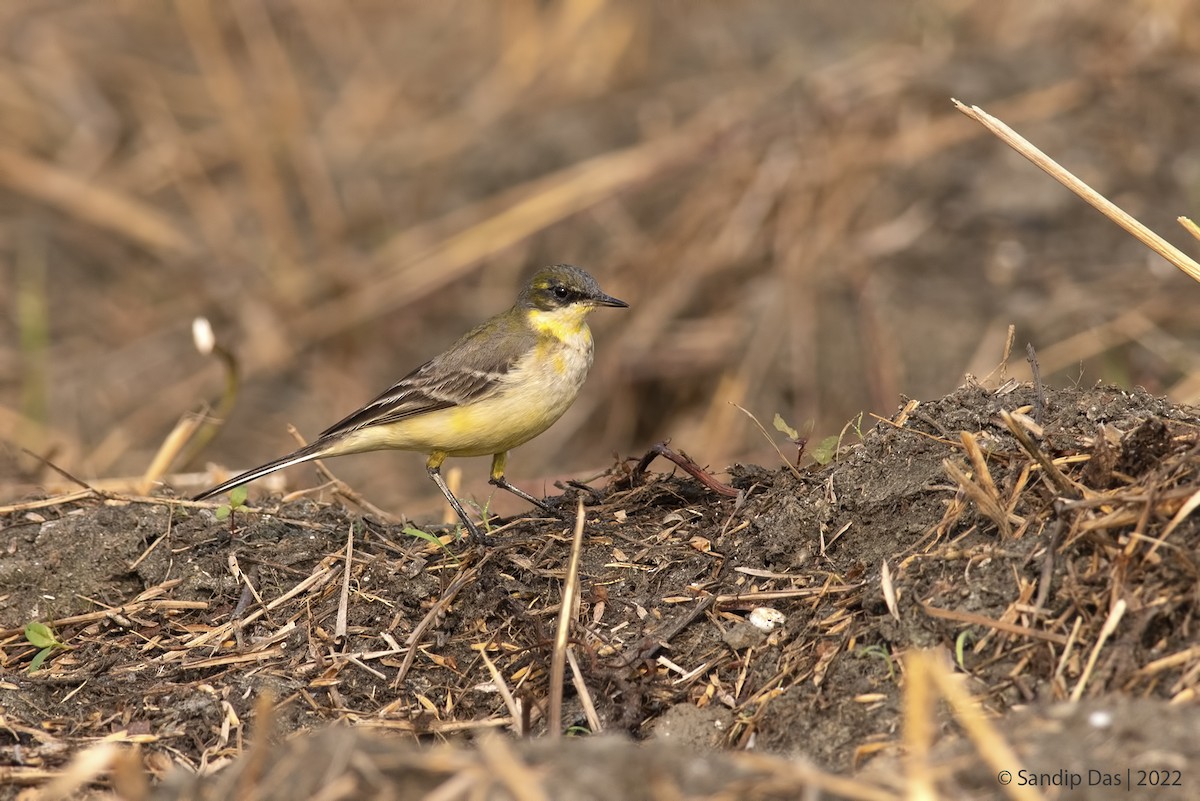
305,454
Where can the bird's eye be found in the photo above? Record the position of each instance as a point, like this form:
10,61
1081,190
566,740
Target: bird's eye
561,292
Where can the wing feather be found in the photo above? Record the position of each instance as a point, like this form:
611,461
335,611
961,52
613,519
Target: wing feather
471,370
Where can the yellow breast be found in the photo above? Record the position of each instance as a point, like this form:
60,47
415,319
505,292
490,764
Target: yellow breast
538,389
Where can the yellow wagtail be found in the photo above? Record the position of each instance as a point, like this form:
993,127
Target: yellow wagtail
497,387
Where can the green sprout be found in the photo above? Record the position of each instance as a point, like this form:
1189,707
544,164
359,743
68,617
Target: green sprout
237,499
432,539
960,644
39,635
879,652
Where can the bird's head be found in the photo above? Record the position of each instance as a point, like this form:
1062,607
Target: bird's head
558,299
562,286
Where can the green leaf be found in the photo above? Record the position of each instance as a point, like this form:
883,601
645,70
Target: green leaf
237,496
222,512
430,538
783,428
39,635
826,451
38,659
421,535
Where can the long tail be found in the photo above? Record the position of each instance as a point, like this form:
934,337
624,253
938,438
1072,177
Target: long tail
306,454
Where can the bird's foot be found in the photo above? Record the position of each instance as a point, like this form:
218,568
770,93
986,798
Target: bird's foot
477,534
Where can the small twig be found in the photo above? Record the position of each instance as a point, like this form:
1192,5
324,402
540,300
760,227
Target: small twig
585,695
464,578
125,610
1047,577
650,646
685,462
1039,397
65,474
596,495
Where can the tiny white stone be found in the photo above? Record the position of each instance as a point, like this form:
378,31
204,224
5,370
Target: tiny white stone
1100,719
765,618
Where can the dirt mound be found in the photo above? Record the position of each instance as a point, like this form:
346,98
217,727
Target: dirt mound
1041,543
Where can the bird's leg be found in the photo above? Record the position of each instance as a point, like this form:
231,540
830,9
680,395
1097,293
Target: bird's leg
434,466
498,480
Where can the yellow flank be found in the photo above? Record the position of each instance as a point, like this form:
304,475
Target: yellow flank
531,397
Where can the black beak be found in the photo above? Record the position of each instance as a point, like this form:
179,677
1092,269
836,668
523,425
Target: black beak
600,299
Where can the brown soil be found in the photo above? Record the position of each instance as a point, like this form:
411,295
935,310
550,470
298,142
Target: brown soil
169,648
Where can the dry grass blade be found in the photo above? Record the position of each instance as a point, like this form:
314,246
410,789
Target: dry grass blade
510,702
585,695
1062,484
889,590
986,502
786,461
919,727
979,464
1184,513
1109,209
97,205
87,767
570,596
341,624
504,764
46,503
923,670
974,619
1190,226
464,577
1106,631
170,448
265,717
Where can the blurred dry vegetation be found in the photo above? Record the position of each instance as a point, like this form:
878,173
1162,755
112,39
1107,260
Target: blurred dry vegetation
782,191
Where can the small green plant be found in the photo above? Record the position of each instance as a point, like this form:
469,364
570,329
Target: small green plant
964,638
878,652
826,450
237,499
39,635
792,434
484,513
433,539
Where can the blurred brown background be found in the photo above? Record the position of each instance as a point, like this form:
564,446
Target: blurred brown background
782,191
